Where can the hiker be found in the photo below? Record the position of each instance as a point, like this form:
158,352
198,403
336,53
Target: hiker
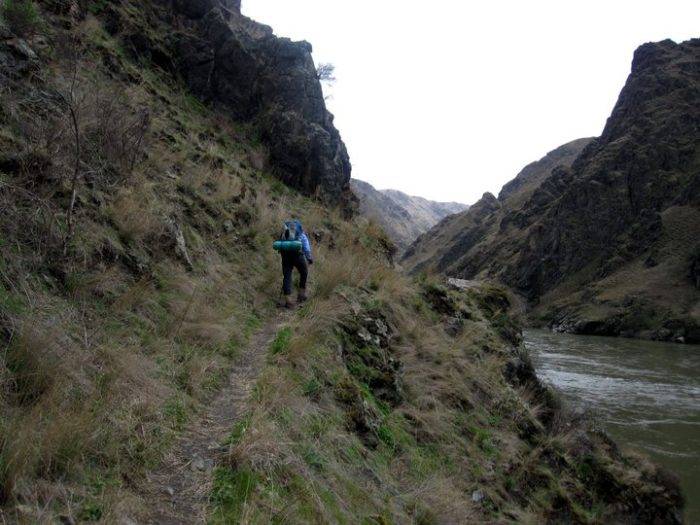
295,249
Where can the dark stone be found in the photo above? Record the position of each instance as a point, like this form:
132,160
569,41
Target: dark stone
695,267
17,58
370,358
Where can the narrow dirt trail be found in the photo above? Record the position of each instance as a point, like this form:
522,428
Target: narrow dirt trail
177,492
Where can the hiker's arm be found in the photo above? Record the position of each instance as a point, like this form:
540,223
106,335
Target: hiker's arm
306,248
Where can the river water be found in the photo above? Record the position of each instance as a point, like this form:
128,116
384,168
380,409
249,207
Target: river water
645,394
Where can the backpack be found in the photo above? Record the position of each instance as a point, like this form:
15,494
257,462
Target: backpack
291,232
290,240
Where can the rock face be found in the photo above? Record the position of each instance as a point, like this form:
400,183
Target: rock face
450,246
612,228
233,62
403,217
16,56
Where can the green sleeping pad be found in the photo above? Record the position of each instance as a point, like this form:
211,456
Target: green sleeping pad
287,246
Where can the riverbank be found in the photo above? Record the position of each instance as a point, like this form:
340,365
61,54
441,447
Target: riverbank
643,393
632,319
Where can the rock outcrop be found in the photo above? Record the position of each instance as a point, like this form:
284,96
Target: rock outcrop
450,246
614,227
403,217
230,61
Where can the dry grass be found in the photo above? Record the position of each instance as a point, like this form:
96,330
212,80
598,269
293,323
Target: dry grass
134,213
459,428
112,345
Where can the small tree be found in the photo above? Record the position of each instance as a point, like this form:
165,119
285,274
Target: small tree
325,73
21,16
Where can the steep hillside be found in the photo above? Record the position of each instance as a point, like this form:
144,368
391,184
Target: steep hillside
606,245
240,67
138,284
403,217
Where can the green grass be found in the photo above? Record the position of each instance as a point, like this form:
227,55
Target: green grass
281,341
97,6
312,387
175,411
91,511
238,431
230,493
11,303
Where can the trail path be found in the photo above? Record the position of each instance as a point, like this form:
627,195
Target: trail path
177,492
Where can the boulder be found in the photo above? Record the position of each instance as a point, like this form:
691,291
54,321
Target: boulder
17,57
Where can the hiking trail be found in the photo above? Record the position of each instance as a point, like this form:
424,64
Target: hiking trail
177,491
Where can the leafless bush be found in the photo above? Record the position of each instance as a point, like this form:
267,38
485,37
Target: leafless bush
325,72
113,135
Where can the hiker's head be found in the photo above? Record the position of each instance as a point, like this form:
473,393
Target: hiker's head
297,223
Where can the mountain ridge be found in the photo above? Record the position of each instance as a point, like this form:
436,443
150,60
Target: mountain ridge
403,216
456,235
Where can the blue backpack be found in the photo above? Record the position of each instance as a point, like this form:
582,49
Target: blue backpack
291,232
290,240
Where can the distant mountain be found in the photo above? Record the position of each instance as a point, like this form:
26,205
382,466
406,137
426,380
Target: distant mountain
404,217
608,241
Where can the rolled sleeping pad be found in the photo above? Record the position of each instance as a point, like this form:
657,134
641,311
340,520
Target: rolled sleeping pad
287,246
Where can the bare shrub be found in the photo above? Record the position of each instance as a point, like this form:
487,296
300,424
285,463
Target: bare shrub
325,72
108,135
82,132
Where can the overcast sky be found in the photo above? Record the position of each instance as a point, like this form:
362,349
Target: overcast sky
448,99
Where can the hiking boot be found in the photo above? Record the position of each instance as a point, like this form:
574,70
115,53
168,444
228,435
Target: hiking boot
302,296
286,302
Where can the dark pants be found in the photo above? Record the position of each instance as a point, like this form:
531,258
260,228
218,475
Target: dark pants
291,260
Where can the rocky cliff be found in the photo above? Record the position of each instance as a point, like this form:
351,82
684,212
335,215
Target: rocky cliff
403,217
241,67
604,245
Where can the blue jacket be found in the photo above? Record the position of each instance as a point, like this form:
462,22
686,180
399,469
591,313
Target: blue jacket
305,244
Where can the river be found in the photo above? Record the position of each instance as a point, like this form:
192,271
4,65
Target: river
645,394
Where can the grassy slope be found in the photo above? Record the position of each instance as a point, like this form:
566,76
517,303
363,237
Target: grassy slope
111,345
640,299
420,428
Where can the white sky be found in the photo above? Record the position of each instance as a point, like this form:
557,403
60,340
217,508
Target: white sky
447,99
